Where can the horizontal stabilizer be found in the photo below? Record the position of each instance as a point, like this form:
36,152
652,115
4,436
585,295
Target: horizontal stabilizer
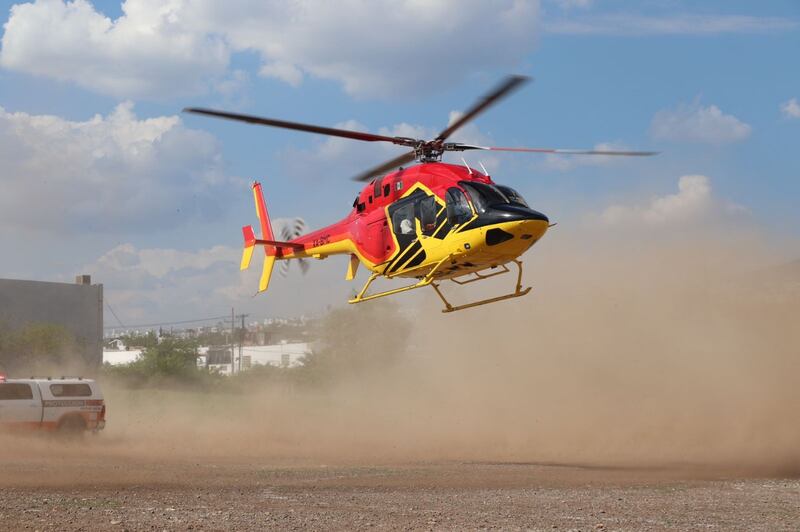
279,244
249,246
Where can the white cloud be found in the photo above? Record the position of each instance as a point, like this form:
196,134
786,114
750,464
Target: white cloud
695,123
114,172
686,24
692,202
791,109
146,285
161,49
378,47
152,50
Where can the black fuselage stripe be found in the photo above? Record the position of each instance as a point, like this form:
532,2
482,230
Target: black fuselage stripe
408,253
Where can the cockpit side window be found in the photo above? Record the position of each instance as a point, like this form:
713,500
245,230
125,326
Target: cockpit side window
458,210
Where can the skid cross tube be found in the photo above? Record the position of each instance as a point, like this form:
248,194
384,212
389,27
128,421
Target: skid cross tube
518,292
479,277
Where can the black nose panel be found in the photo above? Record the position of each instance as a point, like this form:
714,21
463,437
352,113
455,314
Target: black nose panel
517,212
497,236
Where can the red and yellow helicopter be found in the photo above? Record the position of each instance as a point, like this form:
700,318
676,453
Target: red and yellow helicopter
430,222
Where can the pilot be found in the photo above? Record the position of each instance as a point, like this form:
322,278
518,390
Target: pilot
405,227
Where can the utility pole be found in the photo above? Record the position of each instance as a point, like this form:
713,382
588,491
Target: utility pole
241,342
233,339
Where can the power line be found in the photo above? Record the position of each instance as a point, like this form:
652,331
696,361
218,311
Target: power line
216,318
114,313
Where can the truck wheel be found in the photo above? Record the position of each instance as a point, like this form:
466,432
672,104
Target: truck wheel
72,426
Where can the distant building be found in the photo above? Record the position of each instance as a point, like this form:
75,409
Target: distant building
77,307
286,355
117,353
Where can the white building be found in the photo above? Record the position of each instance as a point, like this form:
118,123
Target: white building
285,355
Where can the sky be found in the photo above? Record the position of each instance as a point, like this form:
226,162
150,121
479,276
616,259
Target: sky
101,173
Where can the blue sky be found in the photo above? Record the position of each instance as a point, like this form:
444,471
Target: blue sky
152,204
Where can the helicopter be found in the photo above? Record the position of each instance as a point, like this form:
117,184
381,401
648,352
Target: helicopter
429,222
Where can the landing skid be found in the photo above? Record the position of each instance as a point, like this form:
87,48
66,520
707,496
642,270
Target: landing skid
425,281
428,280
518,292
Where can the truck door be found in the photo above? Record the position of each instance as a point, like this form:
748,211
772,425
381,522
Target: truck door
20,404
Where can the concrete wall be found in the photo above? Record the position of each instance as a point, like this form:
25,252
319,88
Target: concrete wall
77,307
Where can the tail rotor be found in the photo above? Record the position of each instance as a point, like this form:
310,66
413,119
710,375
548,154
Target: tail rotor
291,230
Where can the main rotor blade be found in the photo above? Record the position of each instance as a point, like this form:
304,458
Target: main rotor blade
499,92
357,135
385,167
465,147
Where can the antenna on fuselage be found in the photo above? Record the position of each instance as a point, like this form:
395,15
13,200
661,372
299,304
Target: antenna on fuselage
483,168
467,166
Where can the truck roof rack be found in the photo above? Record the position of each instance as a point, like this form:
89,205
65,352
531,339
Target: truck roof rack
63,377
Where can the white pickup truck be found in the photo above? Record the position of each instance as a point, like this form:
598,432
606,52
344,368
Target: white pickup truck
72,405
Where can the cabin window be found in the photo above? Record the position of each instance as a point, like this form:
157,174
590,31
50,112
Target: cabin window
360,207
15,391
403,219
377,188
387,189
70,390
458,210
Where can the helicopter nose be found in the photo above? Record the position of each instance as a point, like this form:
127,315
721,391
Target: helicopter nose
537,216
518,213
518,227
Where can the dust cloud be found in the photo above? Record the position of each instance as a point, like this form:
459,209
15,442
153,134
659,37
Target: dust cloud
626,352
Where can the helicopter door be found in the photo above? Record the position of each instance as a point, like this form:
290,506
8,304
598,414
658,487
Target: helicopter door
403,222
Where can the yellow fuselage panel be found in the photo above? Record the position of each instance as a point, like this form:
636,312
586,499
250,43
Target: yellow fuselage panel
470,252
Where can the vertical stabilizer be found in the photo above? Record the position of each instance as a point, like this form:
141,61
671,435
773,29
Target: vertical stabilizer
266,234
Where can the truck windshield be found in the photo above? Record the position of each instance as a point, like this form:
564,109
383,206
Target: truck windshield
484,195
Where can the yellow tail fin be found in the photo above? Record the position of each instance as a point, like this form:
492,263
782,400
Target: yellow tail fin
266,273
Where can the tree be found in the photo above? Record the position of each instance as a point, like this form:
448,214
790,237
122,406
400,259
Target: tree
172,357
40,348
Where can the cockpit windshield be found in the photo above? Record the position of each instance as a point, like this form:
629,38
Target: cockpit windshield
483,195
513,196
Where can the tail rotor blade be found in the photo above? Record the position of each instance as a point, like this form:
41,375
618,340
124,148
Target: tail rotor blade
284,270
304,266
290,231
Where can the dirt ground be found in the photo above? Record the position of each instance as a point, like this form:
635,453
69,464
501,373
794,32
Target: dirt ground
566,410
87,487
